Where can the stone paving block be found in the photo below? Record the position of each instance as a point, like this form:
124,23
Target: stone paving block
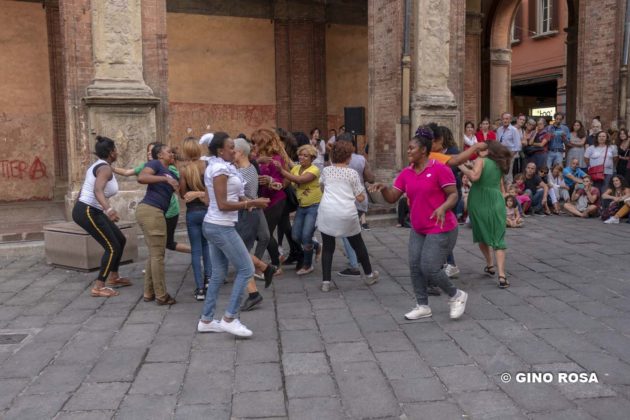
118,365
464,378
531,317
577,321
572,414
507,329
56,378
576,390
567,341
403,365
365,391
328,303
536,397
487,404
294,310
304,363
297,324
35,407
611,341
10,389
159,379
484,310
47,308
72,316
535,351
145,317
170,350
257,351
476,342
62,333
212,361
349,352
175,325
7,313
333,316
154,407
24,321
526,290
304,386
213,341
418,390
502,299
389,341
104,323
338,333
376,323
258,404
86,415
202,412
315,409
259,377
202,388
443,353
606,408
424,330
95,396
30,360
135,335
301,342
548,304
439,410
597,310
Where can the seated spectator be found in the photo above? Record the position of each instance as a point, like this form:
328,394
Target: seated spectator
513,218
536,189
523,201
618,197
584,200
558,190
573,174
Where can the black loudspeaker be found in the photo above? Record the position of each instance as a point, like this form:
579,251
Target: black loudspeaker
354,120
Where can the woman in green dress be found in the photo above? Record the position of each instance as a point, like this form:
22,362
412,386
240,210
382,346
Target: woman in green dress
486,206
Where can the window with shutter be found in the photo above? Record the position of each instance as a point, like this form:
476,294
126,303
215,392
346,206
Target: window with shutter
545,16
532,17
517,26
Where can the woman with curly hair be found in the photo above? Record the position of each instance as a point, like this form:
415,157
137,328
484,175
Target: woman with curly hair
486,205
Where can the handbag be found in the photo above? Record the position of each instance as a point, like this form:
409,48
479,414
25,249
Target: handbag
292,202
530,150
597,172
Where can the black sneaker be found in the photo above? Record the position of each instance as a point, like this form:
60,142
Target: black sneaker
433,291
349,272
365,226
250,303
291,259
200,294
268,274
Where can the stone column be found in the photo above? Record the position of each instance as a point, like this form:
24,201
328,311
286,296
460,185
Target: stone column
500,75
432,99
472,75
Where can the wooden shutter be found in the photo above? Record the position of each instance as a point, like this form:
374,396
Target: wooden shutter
518,24
532,17
555,15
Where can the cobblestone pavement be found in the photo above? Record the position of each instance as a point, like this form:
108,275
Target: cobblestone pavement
345,354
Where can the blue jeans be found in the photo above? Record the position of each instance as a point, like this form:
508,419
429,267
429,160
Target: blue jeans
537,203
352,256
226,246
426,259
199,248
303,229
553,158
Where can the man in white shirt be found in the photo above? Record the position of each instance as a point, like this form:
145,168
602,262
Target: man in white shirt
510,137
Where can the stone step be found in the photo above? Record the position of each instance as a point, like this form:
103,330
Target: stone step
24,221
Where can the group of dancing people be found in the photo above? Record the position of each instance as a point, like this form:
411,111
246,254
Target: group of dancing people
239,192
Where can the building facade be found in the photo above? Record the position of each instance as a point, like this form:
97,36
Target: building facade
146,70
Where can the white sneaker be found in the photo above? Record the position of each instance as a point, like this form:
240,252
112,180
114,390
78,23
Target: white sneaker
372,278
325,286
458,304
451,270
420,311
236,328
304,271
612,221
212,326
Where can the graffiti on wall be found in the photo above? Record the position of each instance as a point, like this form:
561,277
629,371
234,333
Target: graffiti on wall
20,169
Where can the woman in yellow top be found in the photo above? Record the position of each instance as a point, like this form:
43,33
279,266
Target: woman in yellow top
305,176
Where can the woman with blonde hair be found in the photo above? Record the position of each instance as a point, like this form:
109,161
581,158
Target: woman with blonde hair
193,191
268,147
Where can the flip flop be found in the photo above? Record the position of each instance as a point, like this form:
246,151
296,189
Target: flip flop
119,282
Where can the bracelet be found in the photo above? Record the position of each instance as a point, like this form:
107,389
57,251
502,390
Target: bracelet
109,210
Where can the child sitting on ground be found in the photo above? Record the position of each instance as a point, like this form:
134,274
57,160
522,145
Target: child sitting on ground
514,218
518,190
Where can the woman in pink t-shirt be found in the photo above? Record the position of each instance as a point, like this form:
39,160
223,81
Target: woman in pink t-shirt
432,194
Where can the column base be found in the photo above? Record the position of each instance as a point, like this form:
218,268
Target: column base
104,88
447,117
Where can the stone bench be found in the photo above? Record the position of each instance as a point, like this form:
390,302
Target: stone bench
67,245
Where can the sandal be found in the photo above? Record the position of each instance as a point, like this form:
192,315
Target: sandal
503,284
489,270
119,282
148,298
166,300
103,292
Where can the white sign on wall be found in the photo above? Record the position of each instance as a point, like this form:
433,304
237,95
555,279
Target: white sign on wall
543,112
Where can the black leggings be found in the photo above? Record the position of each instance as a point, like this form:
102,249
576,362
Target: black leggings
105,232
284,229
273,215
171,224
356,242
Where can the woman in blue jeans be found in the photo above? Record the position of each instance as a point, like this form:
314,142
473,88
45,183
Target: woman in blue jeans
226,193
430,188
306,178
193,190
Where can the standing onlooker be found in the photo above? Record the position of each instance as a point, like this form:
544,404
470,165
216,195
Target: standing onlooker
226,193
161,183
484,133
559,135
486,206
470,139
584,200
596,127
536,148
537,189
509,136
623,147
601,159
320,146
97,217
576,143
193,190
519,162
430,188
337,216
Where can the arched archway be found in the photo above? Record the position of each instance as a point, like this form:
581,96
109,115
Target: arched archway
497,57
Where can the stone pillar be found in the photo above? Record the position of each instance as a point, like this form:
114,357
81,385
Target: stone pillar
472,75
432,100
500,75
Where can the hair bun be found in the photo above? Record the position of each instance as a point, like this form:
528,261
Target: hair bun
100,139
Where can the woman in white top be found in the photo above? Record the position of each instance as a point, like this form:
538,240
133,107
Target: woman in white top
337,216
226,193
93,213
320,145
470,139
602,153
